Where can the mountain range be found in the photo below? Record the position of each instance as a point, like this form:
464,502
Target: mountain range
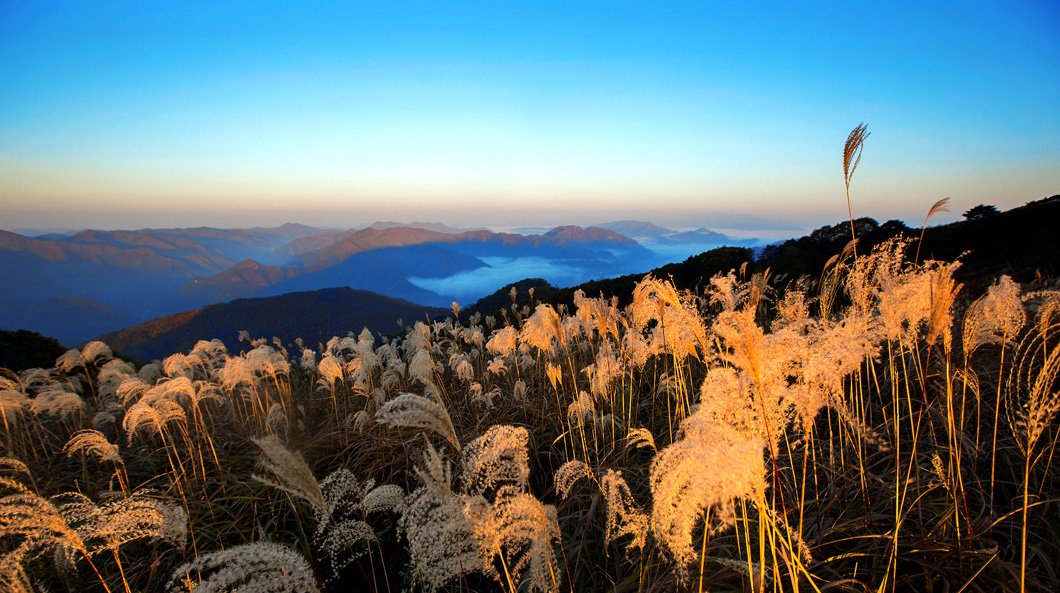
77,286
1018,242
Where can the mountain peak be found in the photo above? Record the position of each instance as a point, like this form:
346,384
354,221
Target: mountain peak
636,228
248,264
576,234
437,227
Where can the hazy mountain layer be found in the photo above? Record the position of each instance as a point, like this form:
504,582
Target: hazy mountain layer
125,277
71,320
396,260
1018,242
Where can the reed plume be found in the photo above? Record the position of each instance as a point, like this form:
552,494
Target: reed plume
544,329
117,520
289,473
851,159
441,538
568,474
409,410
92,442
497,459
715,463
526,534
994,318
34,526
624,518
503,341
70,360
12,405
153,416
1032,403
56,401
262,567
342,532
96,352
672,317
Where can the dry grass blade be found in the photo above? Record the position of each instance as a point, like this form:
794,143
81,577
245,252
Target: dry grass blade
942,205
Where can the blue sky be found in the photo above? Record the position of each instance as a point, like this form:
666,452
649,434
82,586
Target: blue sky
122,114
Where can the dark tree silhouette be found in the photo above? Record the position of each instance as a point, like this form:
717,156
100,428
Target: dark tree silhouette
23,349
982,211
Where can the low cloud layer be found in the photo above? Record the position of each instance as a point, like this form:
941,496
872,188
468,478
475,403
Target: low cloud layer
467,287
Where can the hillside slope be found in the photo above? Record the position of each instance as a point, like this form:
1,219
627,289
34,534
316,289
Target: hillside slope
70,320
314,316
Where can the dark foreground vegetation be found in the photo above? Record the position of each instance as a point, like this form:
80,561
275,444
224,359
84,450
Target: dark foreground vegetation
23,349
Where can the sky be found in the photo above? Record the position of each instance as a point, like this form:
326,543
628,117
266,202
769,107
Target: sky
130,114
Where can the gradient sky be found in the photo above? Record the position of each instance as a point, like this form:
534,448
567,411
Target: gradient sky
132,114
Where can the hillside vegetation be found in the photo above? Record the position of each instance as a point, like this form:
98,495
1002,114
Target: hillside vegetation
23,349
879,429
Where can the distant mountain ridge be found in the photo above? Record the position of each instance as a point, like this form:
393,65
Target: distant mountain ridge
659,234
636,228
383,259
705,235
1019,242
105,279
92,251
247,275
592,234
427,226
123,276
352,242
